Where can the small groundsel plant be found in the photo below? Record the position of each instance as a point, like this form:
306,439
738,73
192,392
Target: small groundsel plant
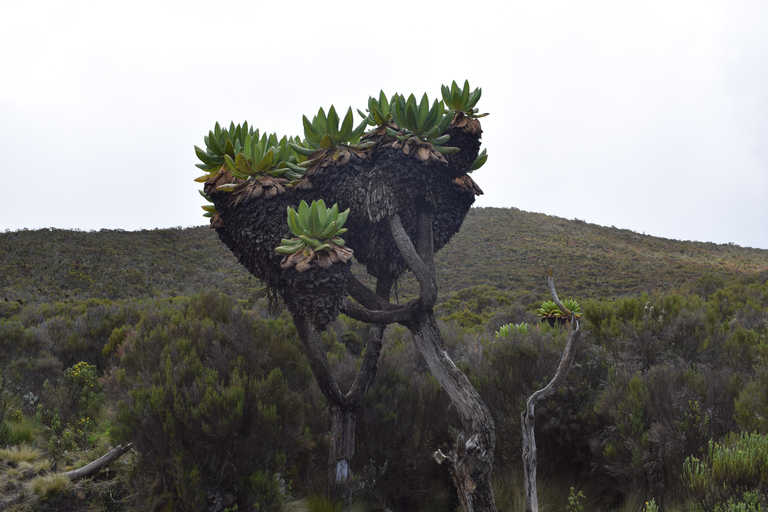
508,330
421,121
317,231
733,475
241,160
460,99
378,110
325,132
549,309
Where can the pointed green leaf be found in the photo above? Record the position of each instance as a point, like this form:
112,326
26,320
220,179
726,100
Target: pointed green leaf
447,150
345,132
213,143
423,112
293,221
333,125
465,94
206,158
242,164
357,132
314,219
439,141
320,122
309,132
229,149
303,215
342,218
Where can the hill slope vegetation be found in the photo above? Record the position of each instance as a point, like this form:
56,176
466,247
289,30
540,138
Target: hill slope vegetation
506,248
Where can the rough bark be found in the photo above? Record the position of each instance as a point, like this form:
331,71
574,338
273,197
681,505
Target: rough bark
528,415
344,407
341,452
472,458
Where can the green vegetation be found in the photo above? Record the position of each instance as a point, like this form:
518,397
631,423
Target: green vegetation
664,409
378,110
317,231
324,131
461,99
732,476
421,121
51,265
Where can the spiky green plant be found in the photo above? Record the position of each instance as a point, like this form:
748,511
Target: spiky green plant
220,142
317,231
378,110
263,156
572,306
461,100
549,309
255,165
324,132
420,121
506,331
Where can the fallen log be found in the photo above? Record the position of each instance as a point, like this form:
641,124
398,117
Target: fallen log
99,463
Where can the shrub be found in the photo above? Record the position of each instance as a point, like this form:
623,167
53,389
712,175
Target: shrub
202,396
732,476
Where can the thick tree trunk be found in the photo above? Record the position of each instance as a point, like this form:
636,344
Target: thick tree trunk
341,453
472,458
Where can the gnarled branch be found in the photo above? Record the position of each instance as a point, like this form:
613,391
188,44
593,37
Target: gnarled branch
389,316
528,415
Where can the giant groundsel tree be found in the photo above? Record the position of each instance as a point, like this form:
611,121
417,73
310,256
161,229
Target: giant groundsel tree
295,210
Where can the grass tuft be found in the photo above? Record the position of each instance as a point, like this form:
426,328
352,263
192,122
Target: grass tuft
21,453
49,485
21,431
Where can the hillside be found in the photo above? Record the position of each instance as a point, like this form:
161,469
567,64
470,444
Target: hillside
506,248
511,249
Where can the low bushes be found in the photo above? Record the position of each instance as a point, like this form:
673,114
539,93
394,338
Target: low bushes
202,395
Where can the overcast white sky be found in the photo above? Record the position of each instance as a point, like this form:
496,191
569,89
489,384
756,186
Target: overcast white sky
647,115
